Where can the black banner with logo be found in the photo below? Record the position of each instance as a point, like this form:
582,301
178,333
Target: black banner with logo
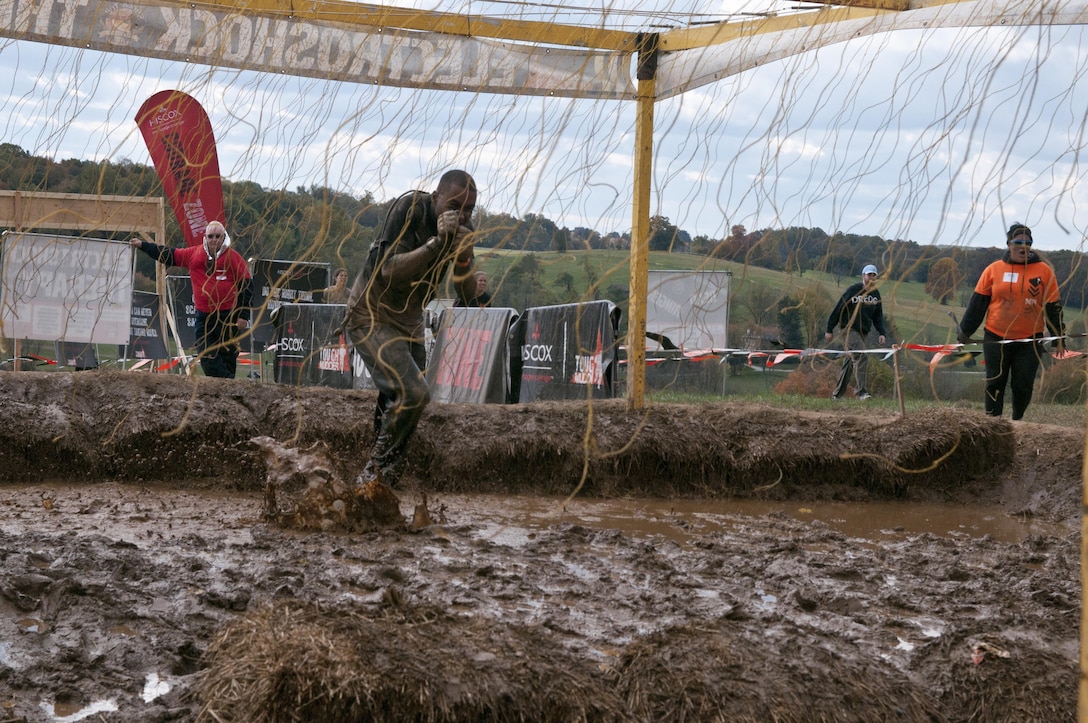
308,353
470,360
566,352
180,291
145,335
282,282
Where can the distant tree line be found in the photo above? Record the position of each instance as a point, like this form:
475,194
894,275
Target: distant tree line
324,225
307,224
946,270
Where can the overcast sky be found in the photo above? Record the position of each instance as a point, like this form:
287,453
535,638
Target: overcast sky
937,136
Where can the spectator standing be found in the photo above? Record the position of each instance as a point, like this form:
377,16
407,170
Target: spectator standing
338,292
423,236
1018,297
482,297
858,310
222,295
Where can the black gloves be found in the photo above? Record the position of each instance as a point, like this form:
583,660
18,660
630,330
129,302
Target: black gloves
961,337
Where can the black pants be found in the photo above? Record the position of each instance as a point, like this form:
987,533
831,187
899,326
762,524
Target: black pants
216,343
1014,365
396,362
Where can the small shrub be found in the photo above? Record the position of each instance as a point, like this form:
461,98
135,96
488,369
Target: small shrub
1063,382
813,378
818,377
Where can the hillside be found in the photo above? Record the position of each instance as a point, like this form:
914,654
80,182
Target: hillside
755,294
324,225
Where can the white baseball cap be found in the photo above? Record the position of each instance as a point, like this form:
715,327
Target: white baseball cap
870,269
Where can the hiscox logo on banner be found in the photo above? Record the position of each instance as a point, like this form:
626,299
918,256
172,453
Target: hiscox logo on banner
567,351
291,347
294,350
534,351
308,351
536,358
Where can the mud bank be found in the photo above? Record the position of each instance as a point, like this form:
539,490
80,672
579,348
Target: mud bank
137,581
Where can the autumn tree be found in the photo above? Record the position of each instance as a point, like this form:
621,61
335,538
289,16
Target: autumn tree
943,280
757,300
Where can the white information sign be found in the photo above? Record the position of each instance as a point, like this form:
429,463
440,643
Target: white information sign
687,310
62,288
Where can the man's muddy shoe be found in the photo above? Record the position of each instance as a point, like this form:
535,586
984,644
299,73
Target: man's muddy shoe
370,475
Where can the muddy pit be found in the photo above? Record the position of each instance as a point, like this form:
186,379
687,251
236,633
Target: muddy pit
721,562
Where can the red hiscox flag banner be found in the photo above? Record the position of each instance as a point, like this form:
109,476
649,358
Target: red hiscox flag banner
179,136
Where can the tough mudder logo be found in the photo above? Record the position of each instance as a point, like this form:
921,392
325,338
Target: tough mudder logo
588,370
333,359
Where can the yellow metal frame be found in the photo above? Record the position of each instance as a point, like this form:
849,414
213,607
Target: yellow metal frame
381,18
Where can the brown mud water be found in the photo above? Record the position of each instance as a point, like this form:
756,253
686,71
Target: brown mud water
141,578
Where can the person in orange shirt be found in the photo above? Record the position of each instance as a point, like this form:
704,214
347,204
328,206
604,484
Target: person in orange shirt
1018,297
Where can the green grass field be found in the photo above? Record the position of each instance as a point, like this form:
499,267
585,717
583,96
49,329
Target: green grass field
755,389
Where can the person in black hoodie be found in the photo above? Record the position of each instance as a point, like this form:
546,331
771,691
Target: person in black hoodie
858,310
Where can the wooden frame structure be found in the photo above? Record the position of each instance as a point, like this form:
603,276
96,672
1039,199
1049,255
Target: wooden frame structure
30,210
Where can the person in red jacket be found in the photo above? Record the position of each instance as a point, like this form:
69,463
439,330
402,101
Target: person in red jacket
1018,296
222,295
